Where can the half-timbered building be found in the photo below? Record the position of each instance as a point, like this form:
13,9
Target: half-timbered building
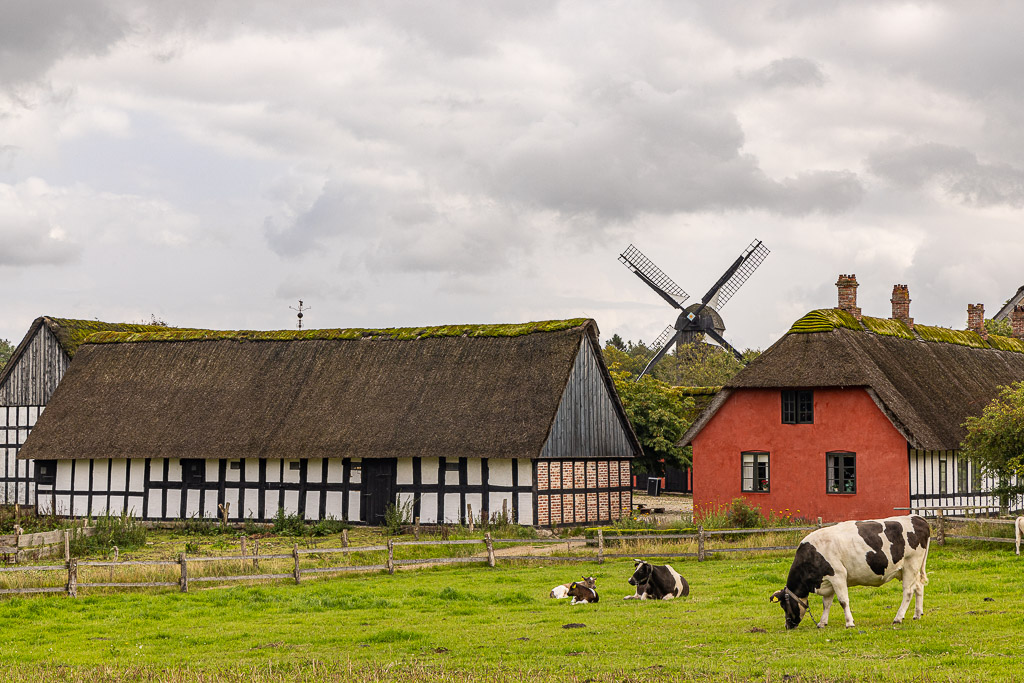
849,416
172,424
26,384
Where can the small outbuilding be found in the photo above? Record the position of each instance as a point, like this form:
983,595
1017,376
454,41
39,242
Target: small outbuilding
849,416
170,424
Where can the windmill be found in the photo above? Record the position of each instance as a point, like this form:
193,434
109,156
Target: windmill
695,319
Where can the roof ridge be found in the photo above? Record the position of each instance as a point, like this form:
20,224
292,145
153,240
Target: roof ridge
391,333
829,319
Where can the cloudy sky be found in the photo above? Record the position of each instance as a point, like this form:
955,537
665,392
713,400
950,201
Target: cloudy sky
210,162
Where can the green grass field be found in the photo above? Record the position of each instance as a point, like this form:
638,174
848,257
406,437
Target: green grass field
480,624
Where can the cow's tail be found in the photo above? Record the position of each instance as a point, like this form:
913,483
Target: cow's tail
686,586
922,575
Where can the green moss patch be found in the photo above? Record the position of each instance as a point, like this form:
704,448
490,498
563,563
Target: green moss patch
697,391
1006,343
824,320
942,334
887,327
72,333
164,334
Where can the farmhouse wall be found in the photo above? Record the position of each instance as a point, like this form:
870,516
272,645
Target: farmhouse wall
844,420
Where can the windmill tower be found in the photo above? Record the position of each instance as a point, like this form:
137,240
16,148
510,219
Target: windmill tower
696,319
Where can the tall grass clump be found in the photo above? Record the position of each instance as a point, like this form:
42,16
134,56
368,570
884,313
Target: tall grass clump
125,532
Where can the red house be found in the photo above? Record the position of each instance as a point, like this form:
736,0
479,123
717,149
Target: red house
849,416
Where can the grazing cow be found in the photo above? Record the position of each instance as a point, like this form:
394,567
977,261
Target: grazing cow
867,553
559,592
582,593
656,582
1018,526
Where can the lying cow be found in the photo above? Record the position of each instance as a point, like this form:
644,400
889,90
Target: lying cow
559,592
1018,526
867,553
656,582
582,593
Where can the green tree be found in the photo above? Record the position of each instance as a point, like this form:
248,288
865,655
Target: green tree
6,351
657,412
995,440
689,365
1001,327
617,343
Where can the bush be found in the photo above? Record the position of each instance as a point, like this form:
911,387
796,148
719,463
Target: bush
743,515
127,533
326,527
396,516
288,525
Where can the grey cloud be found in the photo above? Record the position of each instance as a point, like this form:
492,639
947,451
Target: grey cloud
955,169
661,154
790,72
27,242
35,35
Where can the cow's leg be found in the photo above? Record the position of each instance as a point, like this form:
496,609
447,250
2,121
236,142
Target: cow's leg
826,603
1016,527
842,594
909,590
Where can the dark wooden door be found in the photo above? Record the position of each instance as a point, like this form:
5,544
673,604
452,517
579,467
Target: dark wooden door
379,476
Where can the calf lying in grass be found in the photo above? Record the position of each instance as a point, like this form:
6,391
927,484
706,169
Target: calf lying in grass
559,592
582,593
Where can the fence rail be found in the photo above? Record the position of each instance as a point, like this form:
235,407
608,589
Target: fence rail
487,555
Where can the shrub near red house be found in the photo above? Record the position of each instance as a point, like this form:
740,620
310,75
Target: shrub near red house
849,416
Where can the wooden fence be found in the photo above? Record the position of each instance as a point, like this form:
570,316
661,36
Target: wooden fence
183,563
17,547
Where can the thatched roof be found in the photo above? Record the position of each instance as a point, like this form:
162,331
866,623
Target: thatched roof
479,391
927,381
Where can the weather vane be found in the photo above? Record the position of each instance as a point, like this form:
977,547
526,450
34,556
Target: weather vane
300,309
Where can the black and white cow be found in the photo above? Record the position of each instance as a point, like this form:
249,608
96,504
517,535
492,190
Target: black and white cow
656,582
582,593
562,591
867,553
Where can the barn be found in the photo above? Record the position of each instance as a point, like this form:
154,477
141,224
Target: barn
849,416
169,424
26,384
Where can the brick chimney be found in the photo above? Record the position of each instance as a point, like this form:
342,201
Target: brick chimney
847,285
901,305
1017,321
976,319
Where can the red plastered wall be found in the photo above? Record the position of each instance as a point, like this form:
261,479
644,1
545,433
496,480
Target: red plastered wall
844,420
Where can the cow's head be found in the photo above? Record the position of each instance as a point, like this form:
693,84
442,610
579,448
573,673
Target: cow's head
589,582
792,605
641,573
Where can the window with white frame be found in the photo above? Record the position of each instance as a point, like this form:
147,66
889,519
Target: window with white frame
756,477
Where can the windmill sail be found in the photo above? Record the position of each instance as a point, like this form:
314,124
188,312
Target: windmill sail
654,276
663,339
750,259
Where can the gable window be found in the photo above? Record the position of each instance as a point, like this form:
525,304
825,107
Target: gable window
841,472
798,407
46,472
755,472
193,472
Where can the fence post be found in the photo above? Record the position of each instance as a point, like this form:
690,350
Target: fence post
416,529
243,552
819,522
469,514
67,545
941,536
72,587
700,543
490,549
295,554
256,553
504,511
183,582
344,541
600,546
391,556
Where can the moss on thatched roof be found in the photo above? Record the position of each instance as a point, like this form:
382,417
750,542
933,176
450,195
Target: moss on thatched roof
72,333
164,334
828,319
927,382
